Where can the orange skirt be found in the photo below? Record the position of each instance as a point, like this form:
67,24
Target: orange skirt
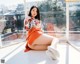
32,35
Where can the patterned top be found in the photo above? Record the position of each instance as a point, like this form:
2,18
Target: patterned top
31,23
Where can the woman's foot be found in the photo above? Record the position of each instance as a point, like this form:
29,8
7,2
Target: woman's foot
52,53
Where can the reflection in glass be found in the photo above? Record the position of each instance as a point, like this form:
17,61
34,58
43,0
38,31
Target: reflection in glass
74,9
74,39
74,24
11,23
53,12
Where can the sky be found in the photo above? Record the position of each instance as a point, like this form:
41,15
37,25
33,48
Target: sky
14,2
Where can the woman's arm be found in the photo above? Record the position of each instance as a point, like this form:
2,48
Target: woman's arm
26,23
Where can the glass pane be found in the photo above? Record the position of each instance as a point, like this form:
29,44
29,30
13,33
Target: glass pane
74,23
52,13
74,9
11,20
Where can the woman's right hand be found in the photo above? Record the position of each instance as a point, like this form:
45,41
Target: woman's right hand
27,19
26,23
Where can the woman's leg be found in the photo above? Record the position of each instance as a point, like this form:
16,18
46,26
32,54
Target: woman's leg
46,42
43,39
38,47
42,42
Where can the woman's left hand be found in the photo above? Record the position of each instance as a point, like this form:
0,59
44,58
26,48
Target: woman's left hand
38,24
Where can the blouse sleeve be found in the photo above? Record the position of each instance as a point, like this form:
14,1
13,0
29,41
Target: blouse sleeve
26,24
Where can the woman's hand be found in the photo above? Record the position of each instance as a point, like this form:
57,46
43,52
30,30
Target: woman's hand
26,23
37,24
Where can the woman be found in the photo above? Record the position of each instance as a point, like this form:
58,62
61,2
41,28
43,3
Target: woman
36,39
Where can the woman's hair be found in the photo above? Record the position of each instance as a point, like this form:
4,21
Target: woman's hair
38,14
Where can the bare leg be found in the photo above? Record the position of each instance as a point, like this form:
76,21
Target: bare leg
45,42
38,47
44,39
42,42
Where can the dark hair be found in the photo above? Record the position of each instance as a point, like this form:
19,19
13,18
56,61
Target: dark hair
38,14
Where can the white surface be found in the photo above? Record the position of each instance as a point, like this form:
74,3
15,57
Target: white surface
37,57
14,52
40,57
8,50
74,56
31,57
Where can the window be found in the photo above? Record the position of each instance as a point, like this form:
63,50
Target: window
11,21
74,21
53,15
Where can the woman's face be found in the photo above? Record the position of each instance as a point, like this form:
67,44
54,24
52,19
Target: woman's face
34,12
